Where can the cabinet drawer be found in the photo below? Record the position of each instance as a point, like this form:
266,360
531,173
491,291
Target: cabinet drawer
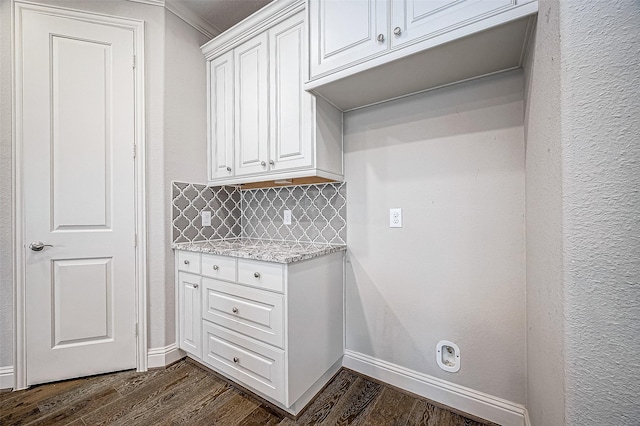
266,275
189,261
255,313
219,267
253,364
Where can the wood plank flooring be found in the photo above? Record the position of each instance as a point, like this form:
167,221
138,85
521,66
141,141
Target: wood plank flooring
187,394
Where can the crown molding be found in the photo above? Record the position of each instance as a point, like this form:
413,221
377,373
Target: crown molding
150,2
190,18
252,25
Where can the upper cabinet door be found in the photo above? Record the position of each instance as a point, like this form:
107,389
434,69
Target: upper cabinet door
291,143
221,117
251,106
345,31
416,19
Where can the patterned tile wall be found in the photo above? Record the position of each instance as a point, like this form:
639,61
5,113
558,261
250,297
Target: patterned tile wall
319,213
189,200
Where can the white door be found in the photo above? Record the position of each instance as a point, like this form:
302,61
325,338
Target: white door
221,117
189,295
344,32
291,143
78,190
415,19
251,106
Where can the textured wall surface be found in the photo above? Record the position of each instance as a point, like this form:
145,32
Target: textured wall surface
545,320
601,184
453,160
6,244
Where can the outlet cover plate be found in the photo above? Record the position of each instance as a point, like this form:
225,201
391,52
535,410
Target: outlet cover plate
395,218
286,217
206,218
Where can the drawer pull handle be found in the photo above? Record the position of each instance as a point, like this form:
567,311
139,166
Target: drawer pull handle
215,267
234,310
236,359
186,262
257,274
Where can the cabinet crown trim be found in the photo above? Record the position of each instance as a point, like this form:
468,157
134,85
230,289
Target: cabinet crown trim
252,25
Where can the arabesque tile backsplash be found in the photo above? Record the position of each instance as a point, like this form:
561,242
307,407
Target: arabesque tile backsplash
319,213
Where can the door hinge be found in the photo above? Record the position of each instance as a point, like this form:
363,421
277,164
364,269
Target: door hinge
135,240
135,150
133,61
136,330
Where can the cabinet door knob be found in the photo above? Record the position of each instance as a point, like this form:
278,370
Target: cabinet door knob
263,164
273,163
186,262
381,38
229,169
215,267
195,286
236,359
257,274
397,31
234,310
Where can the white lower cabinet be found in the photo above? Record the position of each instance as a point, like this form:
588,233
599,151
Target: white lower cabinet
189,295
257,366
275,329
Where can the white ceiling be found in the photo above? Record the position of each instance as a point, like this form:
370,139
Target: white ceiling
215,16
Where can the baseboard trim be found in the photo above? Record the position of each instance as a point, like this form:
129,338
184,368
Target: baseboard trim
527,420
461,398
6,377
161,357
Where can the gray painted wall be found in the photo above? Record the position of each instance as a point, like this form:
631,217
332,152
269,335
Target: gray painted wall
600,118
545,318
453,160
176,136
185,136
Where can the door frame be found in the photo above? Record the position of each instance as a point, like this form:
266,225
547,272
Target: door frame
19,298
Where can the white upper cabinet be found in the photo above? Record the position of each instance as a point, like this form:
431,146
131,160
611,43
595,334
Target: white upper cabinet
415,19
221,117
263,125
251,106
291,109
367,51
346,31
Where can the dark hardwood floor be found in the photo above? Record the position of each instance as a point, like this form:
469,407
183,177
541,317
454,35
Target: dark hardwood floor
187,394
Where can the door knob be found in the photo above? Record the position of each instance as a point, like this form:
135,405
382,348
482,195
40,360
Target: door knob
38,245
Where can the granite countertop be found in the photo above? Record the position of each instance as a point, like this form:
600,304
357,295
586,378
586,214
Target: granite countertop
266,250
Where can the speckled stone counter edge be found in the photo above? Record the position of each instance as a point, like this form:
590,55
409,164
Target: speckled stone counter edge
265,250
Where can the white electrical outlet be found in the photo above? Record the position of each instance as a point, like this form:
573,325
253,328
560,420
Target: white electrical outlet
395,218
286,217
206,218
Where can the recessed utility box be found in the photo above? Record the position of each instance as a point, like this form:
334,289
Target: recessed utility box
448,356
